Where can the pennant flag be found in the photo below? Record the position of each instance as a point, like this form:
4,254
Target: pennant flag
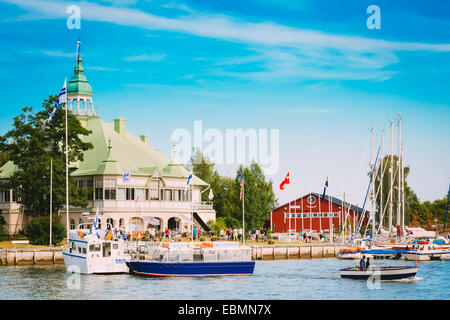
285,181
62,98
325,189
96,221
242,186
188,181
126,177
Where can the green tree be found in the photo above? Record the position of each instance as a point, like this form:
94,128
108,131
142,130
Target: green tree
203,168
37,230
259,198
30,144
412,203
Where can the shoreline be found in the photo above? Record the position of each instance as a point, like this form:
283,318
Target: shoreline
53,255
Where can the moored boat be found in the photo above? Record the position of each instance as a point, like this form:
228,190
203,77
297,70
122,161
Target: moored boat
192,259
90,253
423,251
380,273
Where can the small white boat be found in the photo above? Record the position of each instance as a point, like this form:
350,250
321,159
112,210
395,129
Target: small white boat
426,252
89,253
380,273
364,247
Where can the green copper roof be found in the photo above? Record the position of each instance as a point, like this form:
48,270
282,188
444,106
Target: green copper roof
78,84
7,169
127,152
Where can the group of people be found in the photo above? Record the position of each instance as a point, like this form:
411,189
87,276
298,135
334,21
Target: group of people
231,234
364,264
258,234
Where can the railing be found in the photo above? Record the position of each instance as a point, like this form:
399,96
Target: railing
152,204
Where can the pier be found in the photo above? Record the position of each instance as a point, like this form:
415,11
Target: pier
295,251
30,256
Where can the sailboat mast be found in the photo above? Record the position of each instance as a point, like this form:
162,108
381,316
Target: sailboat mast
391,180
403,193
399,176
381,179
372,165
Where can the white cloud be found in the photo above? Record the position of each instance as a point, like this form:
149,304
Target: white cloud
154,57
58,53
284,51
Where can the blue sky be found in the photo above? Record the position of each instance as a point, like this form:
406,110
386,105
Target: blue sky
311,69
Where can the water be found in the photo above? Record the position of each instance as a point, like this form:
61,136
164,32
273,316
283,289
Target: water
272,280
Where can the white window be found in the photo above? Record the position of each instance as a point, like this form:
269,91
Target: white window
121,194
140,194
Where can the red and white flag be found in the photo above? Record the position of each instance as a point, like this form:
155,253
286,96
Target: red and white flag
285,181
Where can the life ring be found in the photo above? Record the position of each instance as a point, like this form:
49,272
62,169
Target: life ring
139,235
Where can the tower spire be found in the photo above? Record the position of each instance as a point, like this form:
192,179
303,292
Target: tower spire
79,90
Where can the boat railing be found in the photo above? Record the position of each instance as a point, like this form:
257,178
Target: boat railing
192,254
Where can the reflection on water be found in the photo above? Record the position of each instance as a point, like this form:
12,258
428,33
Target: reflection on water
282,279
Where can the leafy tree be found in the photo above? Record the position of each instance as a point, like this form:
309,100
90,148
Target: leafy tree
411,201
37,231
30,144
259,198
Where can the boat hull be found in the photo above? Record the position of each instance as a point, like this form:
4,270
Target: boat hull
186,269
94,265
385,273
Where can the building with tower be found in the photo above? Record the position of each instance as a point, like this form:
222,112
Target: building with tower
153,197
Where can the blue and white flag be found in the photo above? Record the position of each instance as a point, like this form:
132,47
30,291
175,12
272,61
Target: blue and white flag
62,98
126,177
188,181
96,221
325,189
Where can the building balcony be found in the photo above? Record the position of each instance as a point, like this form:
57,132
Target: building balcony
150,205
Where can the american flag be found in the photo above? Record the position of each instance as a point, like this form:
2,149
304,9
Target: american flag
242,186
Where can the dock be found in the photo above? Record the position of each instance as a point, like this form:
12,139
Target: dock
295,251
31,256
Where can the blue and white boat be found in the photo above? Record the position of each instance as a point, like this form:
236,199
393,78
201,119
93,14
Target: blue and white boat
192,259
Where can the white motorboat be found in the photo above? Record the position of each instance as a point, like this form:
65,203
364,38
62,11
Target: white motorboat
380,273
423,251
91,252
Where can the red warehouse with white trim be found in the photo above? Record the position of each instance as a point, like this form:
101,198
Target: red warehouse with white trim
311,212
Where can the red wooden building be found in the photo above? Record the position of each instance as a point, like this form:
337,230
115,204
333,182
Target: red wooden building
311,212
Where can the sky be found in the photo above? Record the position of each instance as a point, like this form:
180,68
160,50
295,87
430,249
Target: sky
312,70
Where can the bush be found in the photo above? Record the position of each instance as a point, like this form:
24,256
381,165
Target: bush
202,238
37,231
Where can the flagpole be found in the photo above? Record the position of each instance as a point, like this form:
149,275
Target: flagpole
51,197
243,211
67,179
192,215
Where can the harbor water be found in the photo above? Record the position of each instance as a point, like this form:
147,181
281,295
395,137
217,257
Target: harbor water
316,279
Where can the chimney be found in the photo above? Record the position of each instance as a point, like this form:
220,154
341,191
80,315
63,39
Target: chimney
119,126
144,138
